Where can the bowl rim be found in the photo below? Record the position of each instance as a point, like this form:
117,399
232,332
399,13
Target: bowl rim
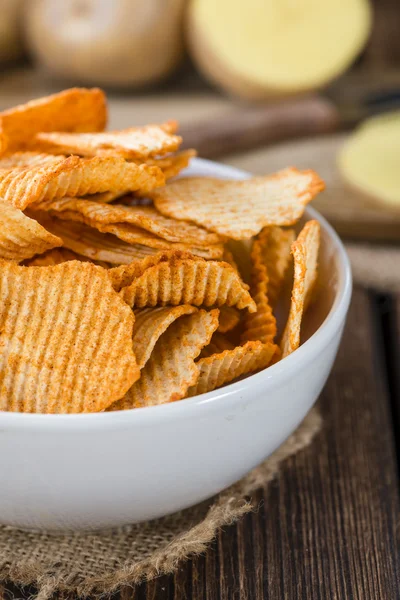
272,376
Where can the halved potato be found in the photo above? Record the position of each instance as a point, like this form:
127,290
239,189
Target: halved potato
370,160
257,49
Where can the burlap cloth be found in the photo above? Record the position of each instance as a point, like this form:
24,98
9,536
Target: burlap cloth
101,563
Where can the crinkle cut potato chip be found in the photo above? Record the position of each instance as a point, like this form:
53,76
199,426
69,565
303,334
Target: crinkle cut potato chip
305,253
229,317
275,244
145,217
195,281
22,237
74,176
58,256
74,110
219,342
239,209
97,246
135,142
270,257
59,327
150,324
22,160
171,369
219,369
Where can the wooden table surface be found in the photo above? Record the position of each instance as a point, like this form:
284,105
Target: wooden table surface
328,528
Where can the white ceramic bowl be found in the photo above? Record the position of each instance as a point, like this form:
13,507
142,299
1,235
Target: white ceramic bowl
108,469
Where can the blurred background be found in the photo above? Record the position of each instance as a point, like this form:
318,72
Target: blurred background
260,84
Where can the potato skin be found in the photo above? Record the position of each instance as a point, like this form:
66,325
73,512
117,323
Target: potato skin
123,43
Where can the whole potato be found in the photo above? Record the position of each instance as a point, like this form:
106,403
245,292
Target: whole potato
121,43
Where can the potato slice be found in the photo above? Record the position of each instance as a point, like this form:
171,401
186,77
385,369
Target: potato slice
239,209
369,161
77,109
276,48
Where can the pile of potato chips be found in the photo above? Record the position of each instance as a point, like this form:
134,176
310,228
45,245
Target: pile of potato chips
122,289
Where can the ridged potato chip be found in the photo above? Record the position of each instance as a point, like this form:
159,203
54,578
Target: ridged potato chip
22,160
74,176
178,280
172,165
305,253
135,142
239,209
75,110
150,324
270,257
219,342
22,237
171,369
275,244
65,341
58,256
229,317
219,369
89,242
145,217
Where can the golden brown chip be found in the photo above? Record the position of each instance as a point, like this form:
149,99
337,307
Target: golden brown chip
176,163
179,280
3,142
239,209
145,217
75,110
219,342
91,243
65,341
58,256
150,324
171,369
260,326
270,258
75,176
22,237
275,244
22,160
219,369
123,275
305,253
135,142
229,317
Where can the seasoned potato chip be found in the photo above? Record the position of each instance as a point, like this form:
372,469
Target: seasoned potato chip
305,253
123,275
65,341
74,110
239,209
4,143
145,217
75,176
229,317
179,280
22,237
150,324
91,243
218,369
275,244
260,326
219,342
21,160
135,142
270,258
171,166
58,256
171,369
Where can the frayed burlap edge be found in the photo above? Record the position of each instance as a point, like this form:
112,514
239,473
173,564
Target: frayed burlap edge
226,509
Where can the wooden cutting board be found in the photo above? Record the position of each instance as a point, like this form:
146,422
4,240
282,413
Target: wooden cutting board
351,216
